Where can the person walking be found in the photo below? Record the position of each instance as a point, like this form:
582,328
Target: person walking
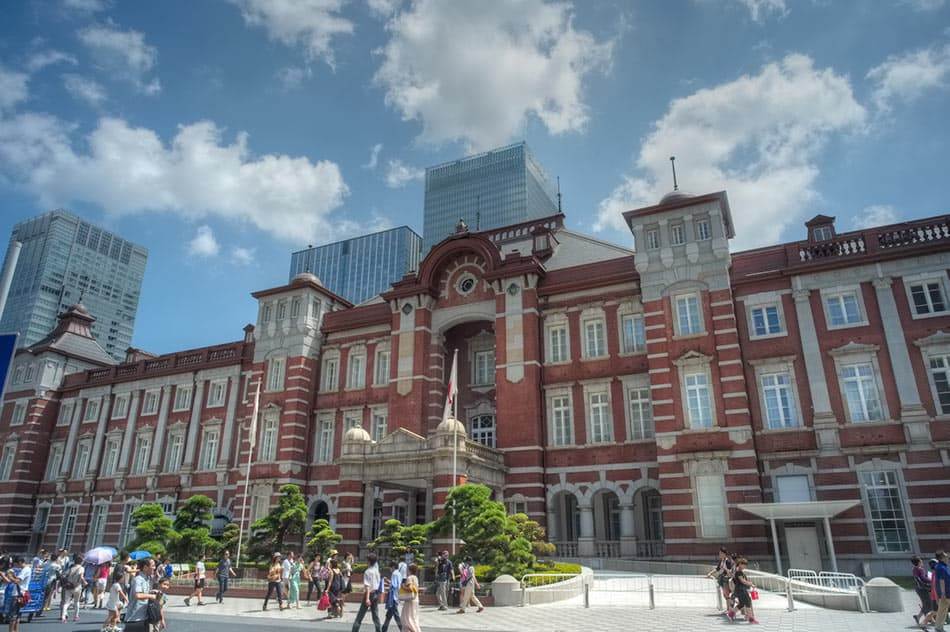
444,573
224,574
53,572
741,588
922,581
392,597
468,583
102,580
17,579
372,584
73,584
942,588
273,582
89,575
293,581
140,594
346,570
285,573
114,604
199,583
409,595
314,577
723,575
334,587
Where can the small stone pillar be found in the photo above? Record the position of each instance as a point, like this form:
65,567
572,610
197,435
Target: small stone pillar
506,591
884,595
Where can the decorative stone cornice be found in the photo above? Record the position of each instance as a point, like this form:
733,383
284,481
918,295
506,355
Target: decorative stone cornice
853,347
692,357
939,337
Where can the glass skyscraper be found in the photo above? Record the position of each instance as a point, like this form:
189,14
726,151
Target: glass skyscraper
360,268
497,188
63,258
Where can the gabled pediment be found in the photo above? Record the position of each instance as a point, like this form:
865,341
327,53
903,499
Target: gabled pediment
692,357
937,338
402,439
853,347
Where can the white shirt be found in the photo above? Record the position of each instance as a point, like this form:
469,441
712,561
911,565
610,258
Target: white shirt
371,578
285,569
199,569
25,574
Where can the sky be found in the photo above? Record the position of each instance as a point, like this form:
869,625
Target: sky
225,134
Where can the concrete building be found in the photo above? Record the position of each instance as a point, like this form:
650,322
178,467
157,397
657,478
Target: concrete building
789,402
497,188
362,267
65,258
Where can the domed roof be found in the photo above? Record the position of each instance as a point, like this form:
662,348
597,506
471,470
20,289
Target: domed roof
307,276
675,196
449,425
79,308
356,434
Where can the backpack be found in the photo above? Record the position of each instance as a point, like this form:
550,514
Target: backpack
153,611
466,575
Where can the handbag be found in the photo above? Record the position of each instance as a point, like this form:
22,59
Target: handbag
24,598
754,593
324,603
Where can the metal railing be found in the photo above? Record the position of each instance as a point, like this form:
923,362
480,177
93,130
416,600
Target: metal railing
803,582
565,582
607,548
668,590
650,548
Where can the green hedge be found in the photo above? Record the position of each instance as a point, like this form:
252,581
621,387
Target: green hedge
485,573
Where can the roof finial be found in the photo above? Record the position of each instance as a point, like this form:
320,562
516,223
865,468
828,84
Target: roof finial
559,194
673,164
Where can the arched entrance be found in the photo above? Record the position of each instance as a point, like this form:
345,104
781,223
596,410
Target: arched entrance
649,509
564,523
606,510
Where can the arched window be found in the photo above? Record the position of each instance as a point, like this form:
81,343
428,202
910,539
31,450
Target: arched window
483,429
320,511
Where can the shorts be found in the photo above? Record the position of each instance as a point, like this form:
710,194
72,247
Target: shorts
744,599
723,581
200,583
926,603
101,583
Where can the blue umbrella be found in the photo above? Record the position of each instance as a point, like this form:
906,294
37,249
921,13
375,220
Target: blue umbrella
100,555
139,555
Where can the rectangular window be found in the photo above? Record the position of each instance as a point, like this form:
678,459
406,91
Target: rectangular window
780,410
928,297
150,403
81,465
711,498
595,343
698,400
687,315
821,233
126,531
330,366
19,414
6,461
641,413
557,344
265,313
600,420
702,230
677,235
315,309
173,456
92,410
209,451
97,525
325,450
281,310
42,519
275,374
55,462
65,413
483,369
561,420
653,239
120,406
140,455
940,372
634,334
68,528
110,458
381,368
886,509
182,398
259,507
860,390
356,376
793,489
268,450
379,425
766,320
30,372
216,393
351,419
295,307
843,309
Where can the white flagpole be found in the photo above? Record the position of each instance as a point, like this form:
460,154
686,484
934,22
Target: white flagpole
252,440
453,398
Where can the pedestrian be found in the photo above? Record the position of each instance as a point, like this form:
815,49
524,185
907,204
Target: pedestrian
293,581
164,584
52,570
17,579
334,588
199,583
444,573
922,586
73,585
942,588
273,581
116,601
102,580
224,574
741,588
409,595
314,577
372,585
89,575
468,583
346,570
392,597
723,574
285,572
140,594
168,571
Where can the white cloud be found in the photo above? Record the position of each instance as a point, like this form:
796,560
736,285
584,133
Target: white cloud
86,6
311,24
203,244
291,77
906,77
383,8
373,156
125,170
758,9
473,71
399,174
243,256
123,54
13,88
924,5
757,137
875,215
42,59
84,89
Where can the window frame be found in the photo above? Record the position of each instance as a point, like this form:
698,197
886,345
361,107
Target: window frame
677,233
839,293
780,316
20,408
156,397
330,380
212,385
356,369
82,472
557,323
273,451
64,418
944,357
479,366
54,465
207,453
701,234
179,390
140,459
722,496
652,238
647,427
120,406
484,435
7,460
902,503
92,404
375,414
599,320
326,432
599,390
638,346
110,465
551,397
381,378
170,465
276,374
943,284
700,316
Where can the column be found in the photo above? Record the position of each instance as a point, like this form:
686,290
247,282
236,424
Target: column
628,536
912,414
369,501
155,463
104,410
554,532
826,426
70,450
193,424
129,434
831,545
585,543
775,547
234,386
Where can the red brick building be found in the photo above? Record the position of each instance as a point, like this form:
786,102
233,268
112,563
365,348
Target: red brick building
656,402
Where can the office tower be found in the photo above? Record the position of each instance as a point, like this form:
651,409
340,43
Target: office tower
498,188
65,259
360,268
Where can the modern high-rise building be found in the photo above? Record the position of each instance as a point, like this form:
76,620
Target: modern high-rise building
64,259
360,268
497,188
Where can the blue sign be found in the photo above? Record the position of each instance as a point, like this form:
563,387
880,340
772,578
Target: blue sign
7,351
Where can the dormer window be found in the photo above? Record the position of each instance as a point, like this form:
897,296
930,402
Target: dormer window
821,228
821,233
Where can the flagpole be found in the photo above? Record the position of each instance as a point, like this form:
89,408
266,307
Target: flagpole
455,441
247,476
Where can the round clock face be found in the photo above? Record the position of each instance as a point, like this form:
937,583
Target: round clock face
466,284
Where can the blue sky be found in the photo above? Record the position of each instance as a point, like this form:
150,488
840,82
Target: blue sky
223,135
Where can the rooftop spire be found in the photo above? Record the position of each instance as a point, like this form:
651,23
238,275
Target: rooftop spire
673,164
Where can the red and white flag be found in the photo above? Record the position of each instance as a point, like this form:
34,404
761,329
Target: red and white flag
452,392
